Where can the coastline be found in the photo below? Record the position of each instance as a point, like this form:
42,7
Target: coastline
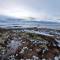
23,41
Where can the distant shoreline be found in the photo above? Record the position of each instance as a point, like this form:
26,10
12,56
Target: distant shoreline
27,28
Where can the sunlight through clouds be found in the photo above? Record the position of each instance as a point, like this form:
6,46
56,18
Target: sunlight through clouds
40,9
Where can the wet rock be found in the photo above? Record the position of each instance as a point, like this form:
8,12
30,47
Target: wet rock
17,45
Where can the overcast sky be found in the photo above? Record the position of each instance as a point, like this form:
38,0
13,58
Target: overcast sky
42,9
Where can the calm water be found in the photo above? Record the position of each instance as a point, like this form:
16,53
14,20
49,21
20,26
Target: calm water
12,22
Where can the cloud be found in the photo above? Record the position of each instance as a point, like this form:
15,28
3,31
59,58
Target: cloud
42,9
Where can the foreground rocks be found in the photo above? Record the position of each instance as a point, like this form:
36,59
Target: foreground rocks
16,45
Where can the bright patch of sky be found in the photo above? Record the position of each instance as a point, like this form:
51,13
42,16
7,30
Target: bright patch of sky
40,9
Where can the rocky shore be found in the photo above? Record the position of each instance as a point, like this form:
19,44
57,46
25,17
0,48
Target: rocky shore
23,45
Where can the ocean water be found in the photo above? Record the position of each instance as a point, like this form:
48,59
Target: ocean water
10,22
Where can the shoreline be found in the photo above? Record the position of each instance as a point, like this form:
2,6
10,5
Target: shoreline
29,43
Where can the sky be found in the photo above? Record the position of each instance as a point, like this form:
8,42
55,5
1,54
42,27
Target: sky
40,9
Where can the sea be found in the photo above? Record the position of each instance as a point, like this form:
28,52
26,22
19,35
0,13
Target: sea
12,22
